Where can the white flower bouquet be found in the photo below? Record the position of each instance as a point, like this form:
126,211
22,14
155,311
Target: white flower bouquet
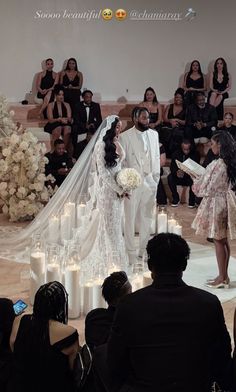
128,179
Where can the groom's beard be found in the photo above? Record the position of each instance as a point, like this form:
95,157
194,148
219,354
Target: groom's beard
142,127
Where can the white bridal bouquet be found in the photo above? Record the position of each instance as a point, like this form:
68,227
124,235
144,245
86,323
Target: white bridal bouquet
128,179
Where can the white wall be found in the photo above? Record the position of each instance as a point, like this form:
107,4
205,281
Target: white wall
114,56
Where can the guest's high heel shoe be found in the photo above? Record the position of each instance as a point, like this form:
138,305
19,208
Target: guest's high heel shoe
221,285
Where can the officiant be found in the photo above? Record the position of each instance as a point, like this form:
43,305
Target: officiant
87,117
178,177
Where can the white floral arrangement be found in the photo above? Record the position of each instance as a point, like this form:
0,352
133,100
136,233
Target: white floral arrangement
22,180
128,179
7,124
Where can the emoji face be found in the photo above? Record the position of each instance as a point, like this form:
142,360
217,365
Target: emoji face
121,14
107,14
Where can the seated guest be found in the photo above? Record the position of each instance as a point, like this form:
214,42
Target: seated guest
194,81
7,316
87,117
169,336
98,322
59,163
46,81
83,143
220,85
228,124
44,346
174,123
201,117
151,103
72,81
161,193
59,117
178,177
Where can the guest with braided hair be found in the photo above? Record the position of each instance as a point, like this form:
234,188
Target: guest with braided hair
99,321
44,346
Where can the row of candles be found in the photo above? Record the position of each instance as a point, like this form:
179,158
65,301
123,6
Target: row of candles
63,265
59,260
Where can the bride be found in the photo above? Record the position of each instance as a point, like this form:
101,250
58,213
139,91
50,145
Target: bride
100,238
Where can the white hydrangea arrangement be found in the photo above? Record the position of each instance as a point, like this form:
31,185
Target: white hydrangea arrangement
22,165
128,179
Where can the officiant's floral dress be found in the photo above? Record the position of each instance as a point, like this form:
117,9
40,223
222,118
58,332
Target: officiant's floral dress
216,215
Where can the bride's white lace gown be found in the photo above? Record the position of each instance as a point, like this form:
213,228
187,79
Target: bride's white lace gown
108,249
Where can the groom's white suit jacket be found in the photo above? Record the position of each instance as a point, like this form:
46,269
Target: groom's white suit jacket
132,147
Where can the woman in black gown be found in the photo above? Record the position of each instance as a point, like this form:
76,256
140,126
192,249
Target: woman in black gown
220,84
44,346
174,123
228,125
193,82
59,118
72,81
151,103
46,80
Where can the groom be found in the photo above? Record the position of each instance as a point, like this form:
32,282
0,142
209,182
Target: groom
141,145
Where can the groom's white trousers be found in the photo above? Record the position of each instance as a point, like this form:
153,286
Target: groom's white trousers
140,205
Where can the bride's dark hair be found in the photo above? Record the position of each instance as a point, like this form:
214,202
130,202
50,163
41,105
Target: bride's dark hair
228,154
110,147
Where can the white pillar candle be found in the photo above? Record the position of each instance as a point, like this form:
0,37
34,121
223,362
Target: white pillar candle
37,273
98,300
65,227
80,213
69,209
177,229
162,222
137,282
72,280
147,279
53,272
113,268
53,229
88,297
171,225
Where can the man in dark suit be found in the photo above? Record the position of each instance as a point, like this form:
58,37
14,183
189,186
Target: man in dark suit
169,337
87,116
59,162
201,117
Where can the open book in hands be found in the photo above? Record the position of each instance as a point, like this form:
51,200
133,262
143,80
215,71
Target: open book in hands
190,167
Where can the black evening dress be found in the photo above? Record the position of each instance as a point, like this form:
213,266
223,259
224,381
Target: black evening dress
71,95
220,86
189,96
40,367
46,82
49,127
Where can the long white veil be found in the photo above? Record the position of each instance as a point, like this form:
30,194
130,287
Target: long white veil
80,181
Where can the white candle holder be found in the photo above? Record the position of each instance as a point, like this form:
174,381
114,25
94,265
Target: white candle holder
53,229
162,220
53,261
72,280
37,265
178,228
171,223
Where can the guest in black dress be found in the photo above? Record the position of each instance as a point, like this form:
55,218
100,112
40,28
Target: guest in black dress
59,118
72,80
7,317
151,103
44,346
46,80
174,123
220,84
228,124
193,82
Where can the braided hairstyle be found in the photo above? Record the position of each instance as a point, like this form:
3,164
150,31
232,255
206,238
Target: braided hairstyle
115,287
